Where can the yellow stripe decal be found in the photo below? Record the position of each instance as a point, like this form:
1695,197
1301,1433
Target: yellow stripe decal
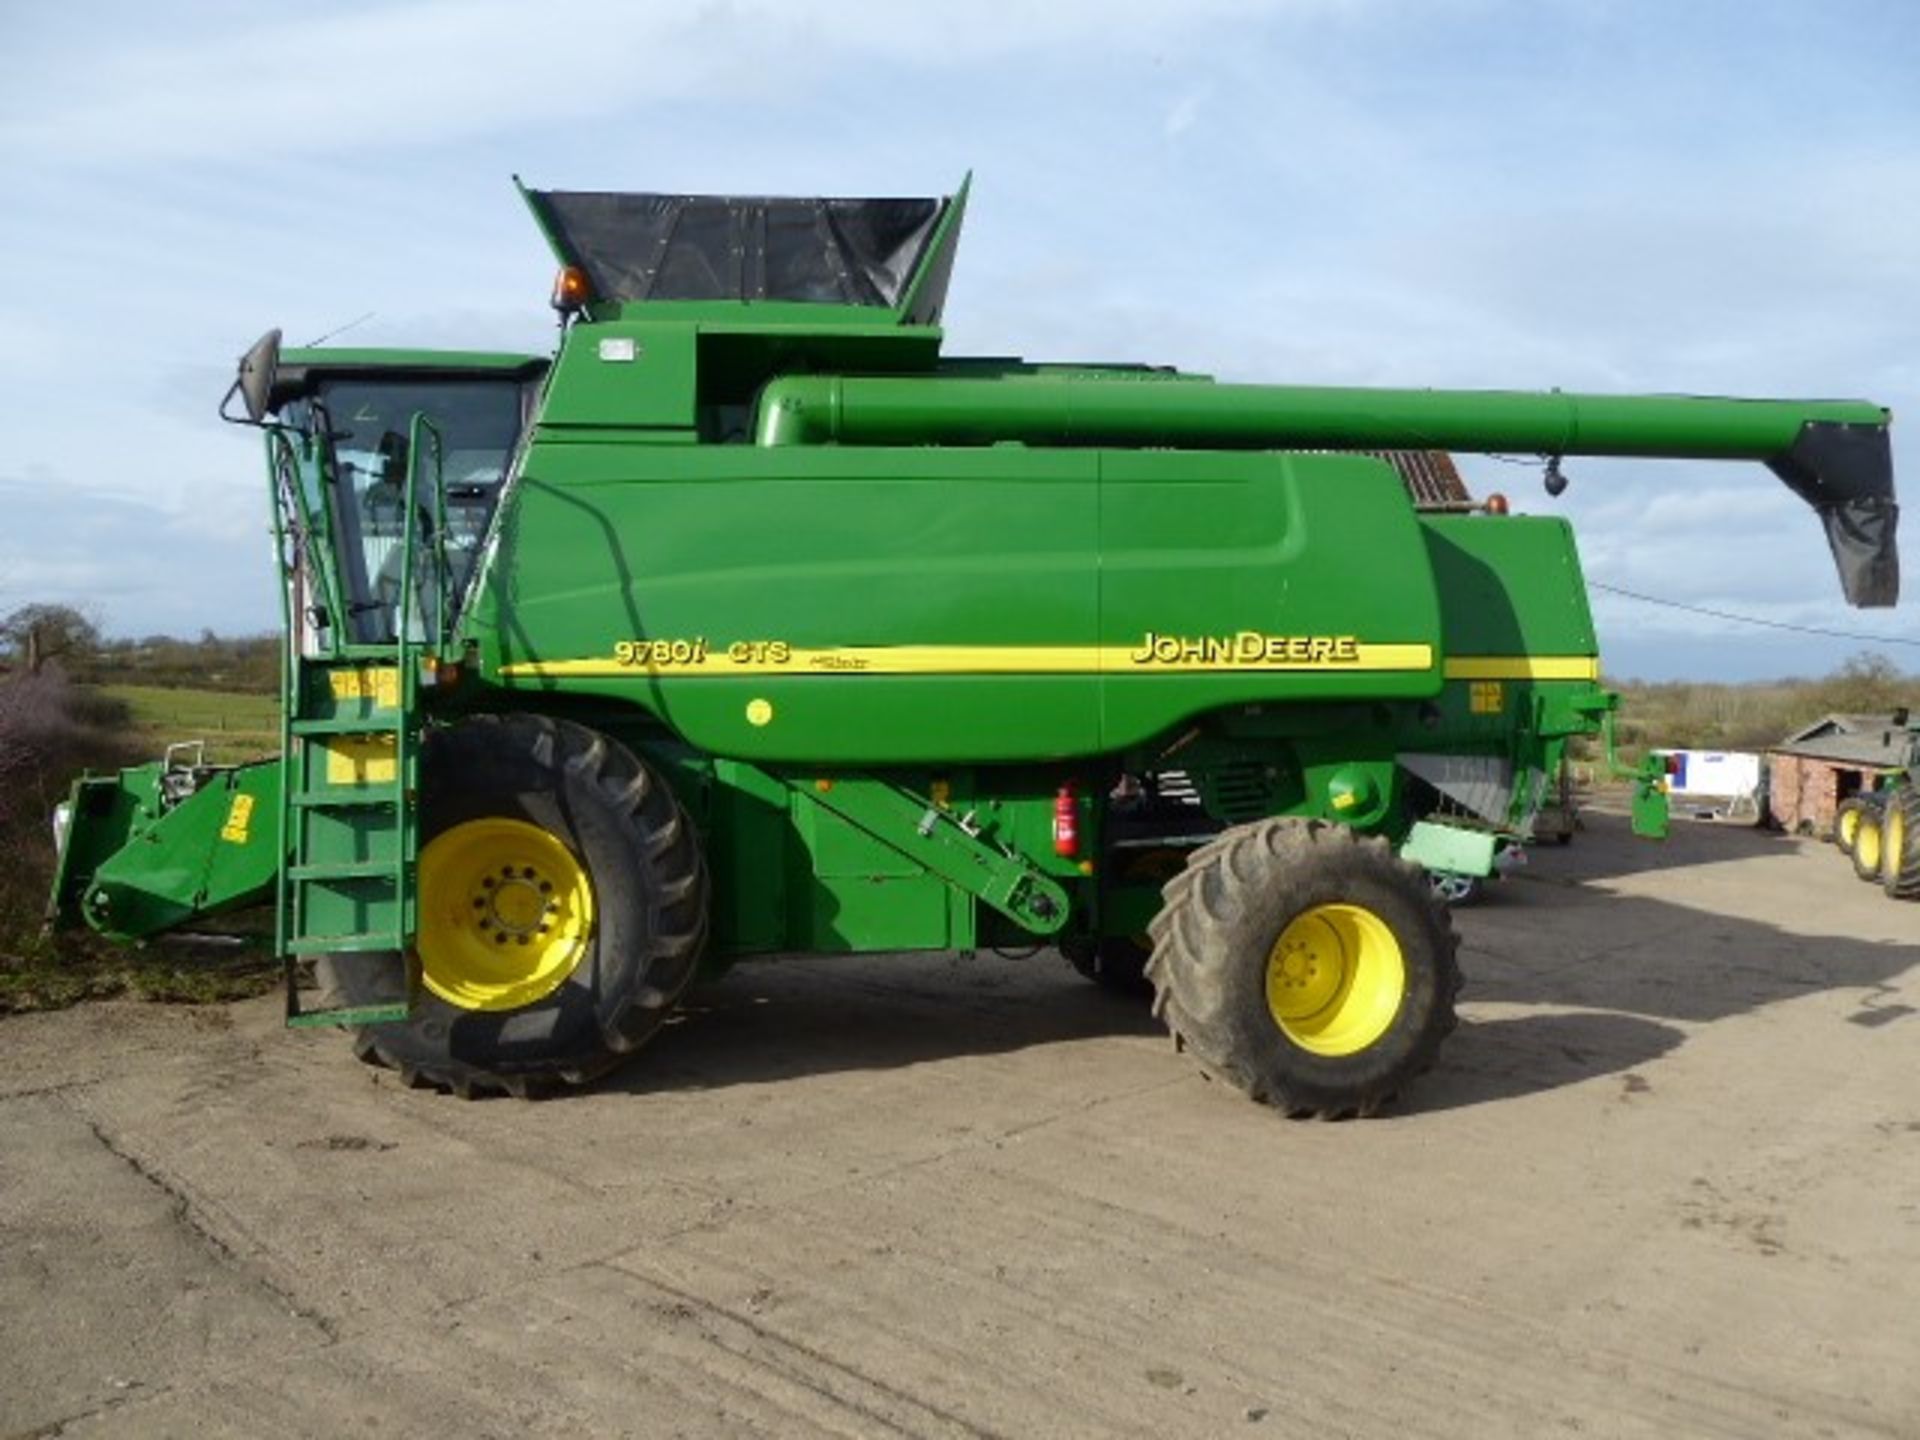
1276,654
1522,667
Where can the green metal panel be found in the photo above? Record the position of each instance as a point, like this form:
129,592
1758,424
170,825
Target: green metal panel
1293,577
102,813
1511,586
825,609
641,373
413,362
889,607
849,892
1652,814
1449,849
933,838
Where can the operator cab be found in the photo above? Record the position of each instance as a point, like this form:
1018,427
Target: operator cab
355,410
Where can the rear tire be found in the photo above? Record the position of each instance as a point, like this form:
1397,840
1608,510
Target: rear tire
1900,836
1306,966
528,784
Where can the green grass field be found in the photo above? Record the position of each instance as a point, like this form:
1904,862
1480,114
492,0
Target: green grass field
235,726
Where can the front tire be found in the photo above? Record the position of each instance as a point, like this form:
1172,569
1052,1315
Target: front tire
1869,848
1846,823
562,911
1306,966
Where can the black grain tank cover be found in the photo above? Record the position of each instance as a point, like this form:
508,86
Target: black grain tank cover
727,247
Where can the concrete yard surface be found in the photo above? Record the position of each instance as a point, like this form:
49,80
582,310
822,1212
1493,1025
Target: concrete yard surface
1665,1181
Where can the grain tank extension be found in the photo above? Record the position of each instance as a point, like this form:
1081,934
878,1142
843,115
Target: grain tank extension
751,623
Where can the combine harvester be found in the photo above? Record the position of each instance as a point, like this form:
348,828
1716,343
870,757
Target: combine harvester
751,624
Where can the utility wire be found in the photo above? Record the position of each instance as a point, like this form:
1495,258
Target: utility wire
1754,619
338,330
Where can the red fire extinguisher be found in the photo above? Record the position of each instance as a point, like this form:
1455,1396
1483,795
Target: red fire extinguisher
1066,824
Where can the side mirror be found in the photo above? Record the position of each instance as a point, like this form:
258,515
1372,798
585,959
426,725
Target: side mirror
254,382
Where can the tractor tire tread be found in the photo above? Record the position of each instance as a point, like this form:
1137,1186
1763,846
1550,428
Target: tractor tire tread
1900,873
668,840
1191,966
1872,822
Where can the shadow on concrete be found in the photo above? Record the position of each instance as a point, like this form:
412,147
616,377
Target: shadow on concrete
778,1019
1504,1059
1613,976
1604,847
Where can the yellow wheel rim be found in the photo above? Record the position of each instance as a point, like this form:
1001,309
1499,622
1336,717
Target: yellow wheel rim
1867,846
1896,837
506,914
1335,979
1849,827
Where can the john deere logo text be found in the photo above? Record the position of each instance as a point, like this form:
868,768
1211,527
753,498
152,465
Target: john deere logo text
1248,647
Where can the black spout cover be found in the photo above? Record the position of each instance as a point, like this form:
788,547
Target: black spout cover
1845,472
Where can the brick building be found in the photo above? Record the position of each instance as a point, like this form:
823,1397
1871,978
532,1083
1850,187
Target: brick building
1815,768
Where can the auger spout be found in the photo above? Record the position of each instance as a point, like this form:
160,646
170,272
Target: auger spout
1834,454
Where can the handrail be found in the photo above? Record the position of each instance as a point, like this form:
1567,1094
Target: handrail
418,425
289,678
405,822
320,557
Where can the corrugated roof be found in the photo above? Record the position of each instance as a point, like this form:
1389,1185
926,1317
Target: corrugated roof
1431,477
1885,748
1841,723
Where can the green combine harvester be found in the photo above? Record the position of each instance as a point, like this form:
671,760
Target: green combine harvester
749,623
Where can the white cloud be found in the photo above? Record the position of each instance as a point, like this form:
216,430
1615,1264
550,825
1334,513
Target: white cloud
1182,114
1326,191
412,74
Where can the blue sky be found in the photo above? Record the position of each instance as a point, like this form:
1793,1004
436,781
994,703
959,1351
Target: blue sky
1712,197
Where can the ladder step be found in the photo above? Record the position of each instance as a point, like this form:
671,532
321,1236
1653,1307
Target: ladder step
351,1015
346,870
360,944
386,724
343,799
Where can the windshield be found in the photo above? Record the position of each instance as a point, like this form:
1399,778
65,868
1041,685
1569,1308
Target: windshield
368,419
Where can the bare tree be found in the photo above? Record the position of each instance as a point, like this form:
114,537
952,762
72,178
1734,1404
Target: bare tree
1868,683
36,634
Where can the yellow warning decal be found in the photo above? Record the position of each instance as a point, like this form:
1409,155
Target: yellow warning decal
360,760
378,683
239,818
1487,697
